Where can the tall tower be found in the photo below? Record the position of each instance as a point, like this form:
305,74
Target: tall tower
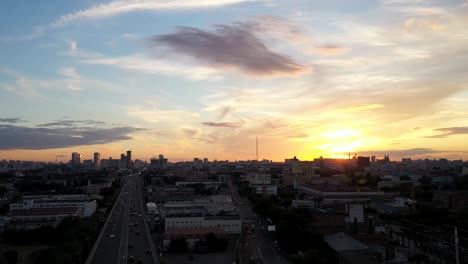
129,159
75,160
97,160
256,148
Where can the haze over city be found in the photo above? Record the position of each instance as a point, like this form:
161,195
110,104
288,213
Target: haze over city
205,78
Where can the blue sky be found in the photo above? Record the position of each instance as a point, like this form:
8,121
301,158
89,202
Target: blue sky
204,78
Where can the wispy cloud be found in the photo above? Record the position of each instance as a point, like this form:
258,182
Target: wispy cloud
69,72
22,137
68,81
414,152
449,131
72,123
11,120
120,7
329,49
139,63
162,116
115,8
230,46
221,124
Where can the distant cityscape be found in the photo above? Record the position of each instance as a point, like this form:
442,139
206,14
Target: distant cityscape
352,210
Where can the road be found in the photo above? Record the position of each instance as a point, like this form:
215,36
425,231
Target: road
255,246
125,236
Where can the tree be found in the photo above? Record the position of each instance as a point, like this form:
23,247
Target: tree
178,245
3,190
4,208
10,256
116,183
215,243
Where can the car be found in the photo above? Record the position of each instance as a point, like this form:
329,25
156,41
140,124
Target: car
115,224
140,261
130,245
111,235
110,221
147,251
131,259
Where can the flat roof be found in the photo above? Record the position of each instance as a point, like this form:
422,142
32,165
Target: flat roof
45,211
342,242
364,256
194,231
339,188
223,217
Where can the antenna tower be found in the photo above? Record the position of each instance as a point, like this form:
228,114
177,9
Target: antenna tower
256,148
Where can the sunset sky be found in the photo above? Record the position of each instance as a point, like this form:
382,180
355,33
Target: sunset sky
204,78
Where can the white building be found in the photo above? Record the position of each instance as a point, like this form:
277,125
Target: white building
86,206
210,184
37,217
259,178
265,189
330,194
354,211
152,208
231,224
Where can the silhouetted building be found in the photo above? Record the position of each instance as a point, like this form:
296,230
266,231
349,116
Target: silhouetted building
363,162
160,163
75,160
97,160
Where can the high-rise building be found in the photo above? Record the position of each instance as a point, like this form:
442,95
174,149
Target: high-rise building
160,163
363,162
75,160
123,161
97,160
129,159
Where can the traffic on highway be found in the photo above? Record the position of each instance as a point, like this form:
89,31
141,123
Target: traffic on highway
125,237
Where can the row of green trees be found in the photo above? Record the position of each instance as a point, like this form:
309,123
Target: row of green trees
70,242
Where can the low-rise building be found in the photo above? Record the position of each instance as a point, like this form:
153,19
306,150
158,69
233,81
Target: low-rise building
152,208
258,178
32,218
86,207
192,235
351,251
331,194
265,189
308,204
230,224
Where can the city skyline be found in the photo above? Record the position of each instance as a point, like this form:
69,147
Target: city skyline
206,78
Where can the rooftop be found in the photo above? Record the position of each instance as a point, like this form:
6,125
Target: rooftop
194,231
365,256
338,188
67,197
45,211
342,242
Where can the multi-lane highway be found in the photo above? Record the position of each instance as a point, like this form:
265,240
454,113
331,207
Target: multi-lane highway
254,246
125,236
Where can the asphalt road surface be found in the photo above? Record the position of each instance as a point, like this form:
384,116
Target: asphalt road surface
125,236
255,246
